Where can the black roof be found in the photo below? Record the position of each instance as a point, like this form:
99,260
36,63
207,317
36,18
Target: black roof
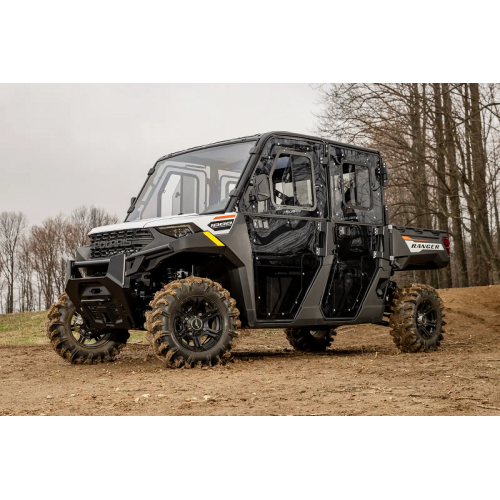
265,136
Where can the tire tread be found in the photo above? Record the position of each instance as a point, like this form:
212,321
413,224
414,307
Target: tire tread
58,337
403,323
160,338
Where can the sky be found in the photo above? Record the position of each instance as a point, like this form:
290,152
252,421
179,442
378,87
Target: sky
67,145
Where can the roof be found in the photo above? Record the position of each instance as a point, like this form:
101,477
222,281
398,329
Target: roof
265,136
219,143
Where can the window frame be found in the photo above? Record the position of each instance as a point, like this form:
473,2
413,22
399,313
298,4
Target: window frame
356,164
299,208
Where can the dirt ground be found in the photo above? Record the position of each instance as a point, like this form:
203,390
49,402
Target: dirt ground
363,374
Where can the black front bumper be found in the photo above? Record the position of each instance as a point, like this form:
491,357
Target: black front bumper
104,301
105,298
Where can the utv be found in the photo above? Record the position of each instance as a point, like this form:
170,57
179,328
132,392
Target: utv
276,230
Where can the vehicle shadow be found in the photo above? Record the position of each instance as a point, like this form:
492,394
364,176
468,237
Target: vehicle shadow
330,353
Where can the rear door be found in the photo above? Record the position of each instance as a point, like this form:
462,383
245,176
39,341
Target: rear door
356,229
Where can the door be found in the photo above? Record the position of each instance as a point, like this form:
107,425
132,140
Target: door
356,230
283,228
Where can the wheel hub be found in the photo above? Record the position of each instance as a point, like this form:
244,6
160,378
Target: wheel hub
81,333
426,318
195,324
198,323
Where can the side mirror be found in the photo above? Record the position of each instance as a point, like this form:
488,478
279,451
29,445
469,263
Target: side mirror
132,203
262,190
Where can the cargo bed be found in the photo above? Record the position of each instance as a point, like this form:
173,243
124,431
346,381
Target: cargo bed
414,248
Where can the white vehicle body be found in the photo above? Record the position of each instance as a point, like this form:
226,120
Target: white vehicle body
214,223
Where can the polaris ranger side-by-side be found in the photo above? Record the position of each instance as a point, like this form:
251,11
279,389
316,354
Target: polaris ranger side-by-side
277,230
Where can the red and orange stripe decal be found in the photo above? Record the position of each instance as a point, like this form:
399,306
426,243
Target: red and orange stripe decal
412,239
225,217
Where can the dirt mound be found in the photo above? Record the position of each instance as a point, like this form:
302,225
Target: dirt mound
362,374
480,303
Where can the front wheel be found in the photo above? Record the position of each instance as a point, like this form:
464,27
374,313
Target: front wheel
75,342
193,322
417,319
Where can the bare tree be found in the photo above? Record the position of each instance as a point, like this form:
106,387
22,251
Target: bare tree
442,144
442,180
81,221
47,247
460,259
26,278
479,165
12,225
52,242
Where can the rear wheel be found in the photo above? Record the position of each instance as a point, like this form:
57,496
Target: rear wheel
310,340
75,342
417,318
193,321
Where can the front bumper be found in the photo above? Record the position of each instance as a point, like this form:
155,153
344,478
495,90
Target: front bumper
104,301
106,297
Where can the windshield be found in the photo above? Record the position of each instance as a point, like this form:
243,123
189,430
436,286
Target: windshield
195,182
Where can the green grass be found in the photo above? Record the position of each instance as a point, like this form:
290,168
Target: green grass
29,329
23,328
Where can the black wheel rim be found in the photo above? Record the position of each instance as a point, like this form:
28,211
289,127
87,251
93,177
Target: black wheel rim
82,334
198,324
426,319
319,334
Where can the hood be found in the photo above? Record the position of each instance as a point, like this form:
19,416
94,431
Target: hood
139,224
221,223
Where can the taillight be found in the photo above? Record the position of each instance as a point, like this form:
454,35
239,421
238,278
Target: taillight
446,243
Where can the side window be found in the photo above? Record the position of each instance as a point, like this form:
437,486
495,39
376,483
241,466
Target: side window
356,186
292,181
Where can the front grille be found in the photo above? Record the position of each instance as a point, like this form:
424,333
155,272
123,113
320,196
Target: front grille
103,245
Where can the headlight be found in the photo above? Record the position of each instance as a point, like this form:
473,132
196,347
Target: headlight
179,231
